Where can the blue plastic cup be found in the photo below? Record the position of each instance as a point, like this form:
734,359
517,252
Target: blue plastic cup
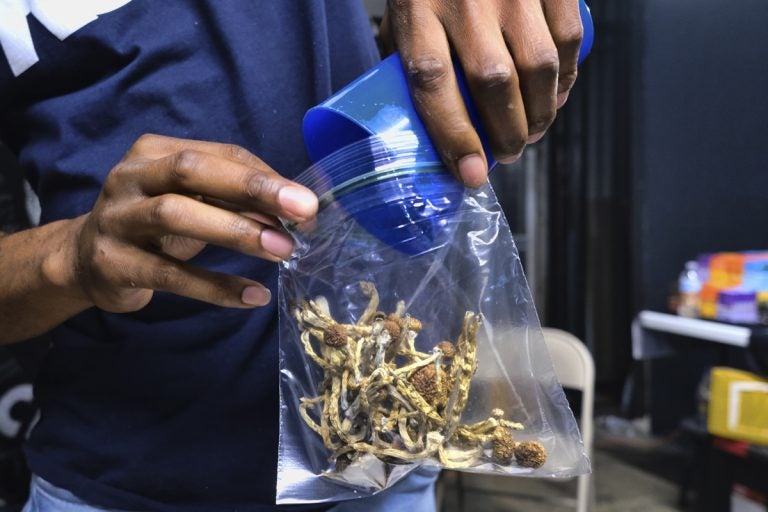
377,106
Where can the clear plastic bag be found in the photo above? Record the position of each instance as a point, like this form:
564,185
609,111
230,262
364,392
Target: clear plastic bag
408,335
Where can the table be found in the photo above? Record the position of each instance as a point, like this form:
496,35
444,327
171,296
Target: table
717,464
647,344
676,352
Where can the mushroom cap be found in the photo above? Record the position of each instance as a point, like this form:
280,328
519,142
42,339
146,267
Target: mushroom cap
503,447
414,324
447,348
530,454
393,328
425,381
335,335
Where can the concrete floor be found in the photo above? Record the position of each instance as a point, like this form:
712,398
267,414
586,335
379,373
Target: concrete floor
619,487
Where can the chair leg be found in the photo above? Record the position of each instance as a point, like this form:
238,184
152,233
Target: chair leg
585,494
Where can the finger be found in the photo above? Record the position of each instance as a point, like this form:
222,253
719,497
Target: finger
492,80
426,60
159,272
172,214
199,173
263,218
567,31
536,60
154,147
179,247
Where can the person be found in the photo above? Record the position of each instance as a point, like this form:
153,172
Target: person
161,139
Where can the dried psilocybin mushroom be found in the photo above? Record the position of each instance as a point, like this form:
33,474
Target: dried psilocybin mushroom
335,335
431,384
412,324
447,348
503,446
381,396
392,327
530,454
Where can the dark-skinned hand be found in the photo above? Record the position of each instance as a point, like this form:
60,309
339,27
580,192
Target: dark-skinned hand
163,203
519,58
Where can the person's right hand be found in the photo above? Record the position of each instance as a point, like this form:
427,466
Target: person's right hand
520,61
162,203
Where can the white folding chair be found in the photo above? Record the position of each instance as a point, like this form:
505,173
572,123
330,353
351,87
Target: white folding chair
575,369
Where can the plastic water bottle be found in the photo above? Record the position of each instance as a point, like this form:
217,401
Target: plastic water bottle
689,286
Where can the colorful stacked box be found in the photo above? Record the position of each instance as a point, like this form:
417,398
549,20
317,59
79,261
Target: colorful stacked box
735,288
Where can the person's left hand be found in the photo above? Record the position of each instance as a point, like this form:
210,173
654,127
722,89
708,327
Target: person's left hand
519,57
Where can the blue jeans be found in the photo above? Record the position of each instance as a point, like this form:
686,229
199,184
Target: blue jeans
46,497
415,493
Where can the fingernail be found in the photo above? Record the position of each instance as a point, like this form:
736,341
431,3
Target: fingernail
277,243
506,160
562,98
256,296
536,137
473,170
299,202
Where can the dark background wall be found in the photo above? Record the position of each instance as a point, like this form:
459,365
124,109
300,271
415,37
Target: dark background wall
589,197
660,154
701,151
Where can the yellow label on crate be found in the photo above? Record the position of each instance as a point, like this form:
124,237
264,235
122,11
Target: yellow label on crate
738,406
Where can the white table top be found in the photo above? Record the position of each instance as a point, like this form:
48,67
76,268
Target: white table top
719,332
